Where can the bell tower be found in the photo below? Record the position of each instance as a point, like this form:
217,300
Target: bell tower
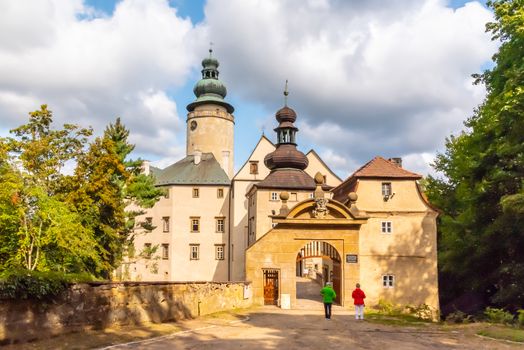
210,121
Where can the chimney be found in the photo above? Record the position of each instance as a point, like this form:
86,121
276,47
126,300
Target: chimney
397,161
145,167
197,157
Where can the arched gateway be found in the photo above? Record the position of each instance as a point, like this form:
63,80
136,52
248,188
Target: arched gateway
271,262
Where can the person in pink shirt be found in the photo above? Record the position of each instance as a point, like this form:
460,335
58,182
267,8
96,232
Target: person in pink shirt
359,296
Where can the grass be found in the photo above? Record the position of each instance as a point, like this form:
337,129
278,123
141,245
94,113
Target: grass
395,320
504,333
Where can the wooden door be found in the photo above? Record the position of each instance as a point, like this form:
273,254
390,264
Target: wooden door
271,287
337,277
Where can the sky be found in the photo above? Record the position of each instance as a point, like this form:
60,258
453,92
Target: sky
366,77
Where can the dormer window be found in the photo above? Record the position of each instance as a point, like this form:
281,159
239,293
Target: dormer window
253,167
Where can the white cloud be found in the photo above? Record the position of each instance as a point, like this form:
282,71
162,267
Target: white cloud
90,68
377,77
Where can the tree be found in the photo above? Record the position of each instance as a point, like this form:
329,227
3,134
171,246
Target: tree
108,182
481,234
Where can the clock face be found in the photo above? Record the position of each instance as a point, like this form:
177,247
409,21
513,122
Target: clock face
193,125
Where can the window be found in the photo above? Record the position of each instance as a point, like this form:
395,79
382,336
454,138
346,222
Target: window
166,193
273,224
165,251
253,167
386,189
194,251
220,193
311,195
386,227
293,197
147,250
165,223
219,251
274,196
220,225
196,193
195,224
131,251
388,281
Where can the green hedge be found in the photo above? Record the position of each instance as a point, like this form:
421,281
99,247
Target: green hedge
25,284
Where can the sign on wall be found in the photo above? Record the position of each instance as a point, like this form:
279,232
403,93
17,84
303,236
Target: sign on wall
351,258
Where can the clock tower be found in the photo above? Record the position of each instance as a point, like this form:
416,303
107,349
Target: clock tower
210,121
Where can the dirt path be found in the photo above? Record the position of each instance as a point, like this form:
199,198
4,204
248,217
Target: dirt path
305,328
273,328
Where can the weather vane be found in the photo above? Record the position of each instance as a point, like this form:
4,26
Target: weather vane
210,48
286,92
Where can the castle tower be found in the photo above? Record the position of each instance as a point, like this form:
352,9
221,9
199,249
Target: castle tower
210,122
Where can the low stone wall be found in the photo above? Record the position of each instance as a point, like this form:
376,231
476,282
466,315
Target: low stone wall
99,305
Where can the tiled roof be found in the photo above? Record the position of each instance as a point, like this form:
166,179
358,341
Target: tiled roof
379,167
186,172
289,178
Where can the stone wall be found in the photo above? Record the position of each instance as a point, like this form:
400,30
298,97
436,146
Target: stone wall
100,305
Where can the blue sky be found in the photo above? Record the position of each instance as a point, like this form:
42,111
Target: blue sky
366,78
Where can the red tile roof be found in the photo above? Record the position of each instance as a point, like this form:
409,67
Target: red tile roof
379,167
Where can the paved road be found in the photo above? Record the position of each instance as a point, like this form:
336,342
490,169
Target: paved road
306,328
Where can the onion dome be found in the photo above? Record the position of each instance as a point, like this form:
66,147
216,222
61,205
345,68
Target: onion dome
210,89
286,154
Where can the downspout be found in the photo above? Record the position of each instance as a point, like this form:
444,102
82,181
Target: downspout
229,232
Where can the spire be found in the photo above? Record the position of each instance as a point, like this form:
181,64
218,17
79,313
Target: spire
286,93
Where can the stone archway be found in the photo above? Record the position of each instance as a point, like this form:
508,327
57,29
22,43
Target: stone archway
278,248
318,262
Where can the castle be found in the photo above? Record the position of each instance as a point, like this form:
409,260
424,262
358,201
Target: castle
283,214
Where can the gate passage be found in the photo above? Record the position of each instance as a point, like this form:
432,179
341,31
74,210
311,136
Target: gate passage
323,250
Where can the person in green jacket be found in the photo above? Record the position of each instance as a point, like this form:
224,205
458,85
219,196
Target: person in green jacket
328,295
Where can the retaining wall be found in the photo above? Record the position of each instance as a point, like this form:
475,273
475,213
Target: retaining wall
100,305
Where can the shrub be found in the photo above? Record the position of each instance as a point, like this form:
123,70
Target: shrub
25,284
498,315
520,317
422,311
459,317
388,308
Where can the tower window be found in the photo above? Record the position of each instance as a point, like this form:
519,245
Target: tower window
196,193
253,167
274,196
220,193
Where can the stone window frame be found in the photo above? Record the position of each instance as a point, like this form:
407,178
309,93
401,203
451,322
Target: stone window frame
220,221
194,251
388,281
220,251
253,167
220,193
386,227
165,251
165,223
273,196
196,192
194,221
